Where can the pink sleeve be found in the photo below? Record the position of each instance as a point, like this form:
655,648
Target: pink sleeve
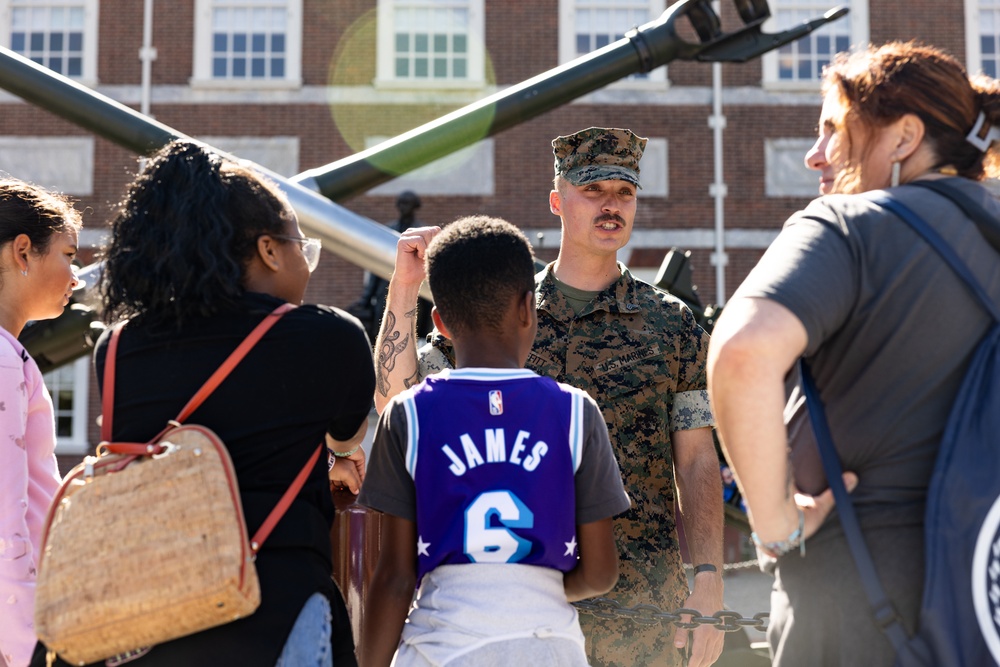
17,562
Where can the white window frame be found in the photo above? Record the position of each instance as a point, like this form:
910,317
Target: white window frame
203,28
567,43
857,17
385,64
77,442
88,76
973,34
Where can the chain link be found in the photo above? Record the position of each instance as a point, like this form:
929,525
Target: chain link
733,567
648,614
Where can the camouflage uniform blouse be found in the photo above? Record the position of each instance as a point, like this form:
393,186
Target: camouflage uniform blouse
639,353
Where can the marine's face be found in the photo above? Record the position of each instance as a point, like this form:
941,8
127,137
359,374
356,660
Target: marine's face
596,217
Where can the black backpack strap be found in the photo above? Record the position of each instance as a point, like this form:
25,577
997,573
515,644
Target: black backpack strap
886,616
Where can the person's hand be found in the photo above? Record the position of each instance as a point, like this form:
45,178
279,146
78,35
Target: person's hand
347,472
817,508
410,251
704,643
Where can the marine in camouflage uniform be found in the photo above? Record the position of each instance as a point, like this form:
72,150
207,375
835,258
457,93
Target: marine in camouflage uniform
639,353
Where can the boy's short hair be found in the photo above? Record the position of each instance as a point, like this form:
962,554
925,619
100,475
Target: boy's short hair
475,267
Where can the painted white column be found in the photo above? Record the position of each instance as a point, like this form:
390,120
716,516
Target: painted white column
718,189
147,54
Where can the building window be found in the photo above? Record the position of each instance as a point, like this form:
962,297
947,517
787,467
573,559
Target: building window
279,154
982,36
654,169
785,170
588,25
248,42
59,35
466,172
69,385
800,64
434,42
62,163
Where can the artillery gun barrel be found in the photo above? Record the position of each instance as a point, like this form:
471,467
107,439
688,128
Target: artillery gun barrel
353,237
357,239
365,242
641,50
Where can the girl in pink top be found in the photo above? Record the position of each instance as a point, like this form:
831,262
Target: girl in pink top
38,238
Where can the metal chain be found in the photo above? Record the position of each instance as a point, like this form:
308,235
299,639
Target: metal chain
731,567
648,614
742,565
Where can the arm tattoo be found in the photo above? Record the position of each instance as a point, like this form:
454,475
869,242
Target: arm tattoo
390,348
415,378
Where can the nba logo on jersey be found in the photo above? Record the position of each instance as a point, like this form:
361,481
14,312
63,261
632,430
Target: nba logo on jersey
496,403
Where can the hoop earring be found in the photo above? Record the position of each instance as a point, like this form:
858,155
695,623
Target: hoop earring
895,174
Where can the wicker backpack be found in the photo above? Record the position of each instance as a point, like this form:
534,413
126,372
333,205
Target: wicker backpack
147,542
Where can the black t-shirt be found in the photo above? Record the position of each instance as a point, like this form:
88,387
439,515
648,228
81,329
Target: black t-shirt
310,374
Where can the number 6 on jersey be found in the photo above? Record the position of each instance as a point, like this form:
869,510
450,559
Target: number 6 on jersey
485,543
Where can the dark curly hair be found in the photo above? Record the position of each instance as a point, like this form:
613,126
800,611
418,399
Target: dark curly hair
475,267
184,235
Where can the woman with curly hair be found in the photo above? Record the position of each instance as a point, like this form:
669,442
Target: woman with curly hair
201,251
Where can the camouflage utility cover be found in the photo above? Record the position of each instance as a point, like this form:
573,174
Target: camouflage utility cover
639,353
598,154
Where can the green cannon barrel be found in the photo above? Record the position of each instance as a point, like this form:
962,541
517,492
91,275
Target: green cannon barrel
365,242
360,240
643,49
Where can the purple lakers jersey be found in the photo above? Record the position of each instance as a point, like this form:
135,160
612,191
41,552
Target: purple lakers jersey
493,454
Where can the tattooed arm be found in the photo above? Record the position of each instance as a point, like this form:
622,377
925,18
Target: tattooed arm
396,345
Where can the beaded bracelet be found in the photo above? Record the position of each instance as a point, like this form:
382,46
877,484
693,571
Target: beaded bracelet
344,455
782,547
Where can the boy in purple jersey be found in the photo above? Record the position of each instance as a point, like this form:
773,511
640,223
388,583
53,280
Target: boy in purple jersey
498,485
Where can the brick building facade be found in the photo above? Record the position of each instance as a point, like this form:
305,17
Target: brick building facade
295,84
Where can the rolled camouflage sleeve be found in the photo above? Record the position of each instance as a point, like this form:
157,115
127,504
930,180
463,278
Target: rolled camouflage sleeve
691,409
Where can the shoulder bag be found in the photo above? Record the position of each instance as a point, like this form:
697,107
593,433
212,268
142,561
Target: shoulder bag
147,542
